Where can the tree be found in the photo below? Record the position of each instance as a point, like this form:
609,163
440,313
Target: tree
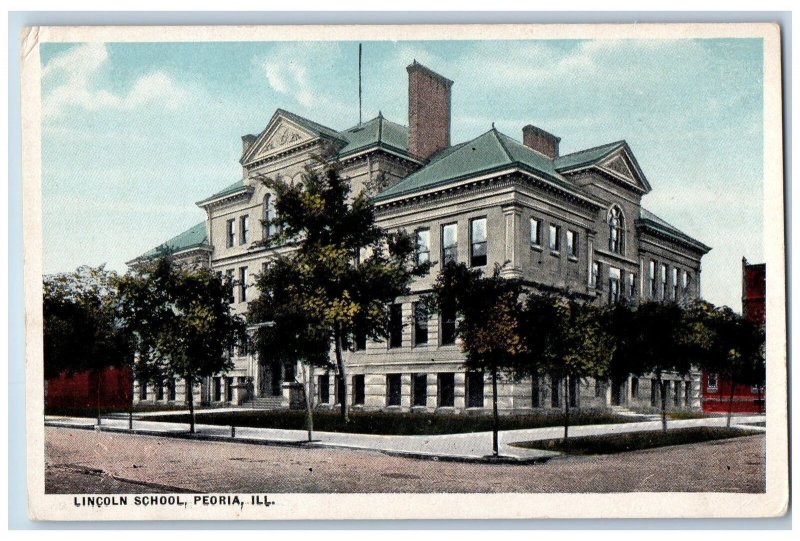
488,310
567,339
727,344
659,340
346,271
181,321
81,329
286,332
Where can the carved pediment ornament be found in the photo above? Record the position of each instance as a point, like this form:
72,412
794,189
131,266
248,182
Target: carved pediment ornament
618,165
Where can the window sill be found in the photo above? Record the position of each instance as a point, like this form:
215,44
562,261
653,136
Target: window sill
536,248
573,258
555,253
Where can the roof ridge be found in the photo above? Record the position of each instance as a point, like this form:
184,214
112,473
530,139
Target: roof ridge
614,143
497,135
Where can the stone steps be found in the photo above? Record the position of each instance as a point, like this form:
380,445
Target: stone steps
267,403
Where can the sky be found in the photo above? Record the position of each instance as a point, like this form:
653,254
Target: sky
133,134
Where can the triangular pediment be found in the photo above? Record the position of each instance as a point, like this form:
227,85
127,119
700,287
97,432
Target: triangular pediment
279,136
622,165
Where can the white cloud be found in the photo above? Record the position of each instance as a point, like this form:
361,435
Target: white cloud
68,81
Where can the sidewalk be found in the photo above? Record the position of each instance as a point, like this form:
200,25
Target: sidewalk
471,447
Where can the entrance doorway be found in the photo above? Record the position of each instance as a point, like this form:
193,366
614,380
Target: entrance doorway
617,393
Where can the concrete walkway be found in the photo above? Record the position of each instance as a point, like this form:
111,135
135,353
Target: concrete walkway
475,446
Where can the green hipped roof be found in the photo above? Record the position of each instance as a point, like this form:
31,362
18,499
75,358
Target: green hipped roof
236,187
586,157
486,153
375,132
193,237
648,219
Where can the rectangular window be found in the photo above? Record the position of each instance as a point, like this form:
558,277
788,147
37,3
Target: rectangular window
477,257
160,390
573,392
393,389
229,389
595,277
358,390
360,339
634,387
446,384
324,389
143,391
572,243
244,229
423,246
687,394
448,324
676,397
229,284
474,389
449,243
242,284
653,392
419,389
231,232
662,285
396,326
599,388
685,281
674,284
651,280
420,324
555,393
713,381
555,237
217,389
536,392
536,232
613,285
631,285
171,390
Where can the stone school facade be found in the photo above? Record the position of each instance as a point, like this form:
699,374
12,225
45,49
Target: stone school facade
565,222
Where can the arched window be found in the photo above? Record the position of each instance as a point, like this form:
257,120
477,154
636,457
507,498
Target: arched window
616,230
269,229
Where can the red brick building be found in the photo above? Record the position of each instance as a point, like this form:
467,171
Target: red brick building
110,388
716,391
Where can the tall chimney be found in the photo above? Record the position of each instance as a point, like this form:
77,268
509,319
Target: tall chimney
541,141
428,111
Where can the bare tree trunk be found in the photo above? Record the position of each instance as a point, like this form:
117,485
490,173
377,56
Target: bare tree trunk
130,405
97,394
730,403
496,427
190,386
566,413
342,375
662,386
309,409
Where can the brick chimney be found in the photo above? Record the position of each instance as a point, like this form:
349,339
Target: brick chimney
428,111
541,141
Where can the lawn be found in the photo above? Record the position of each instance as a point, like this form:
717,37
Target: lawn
389,423
608,444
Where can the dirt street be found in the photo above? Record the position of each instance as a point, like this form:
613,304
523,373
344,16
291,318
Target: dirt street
85,461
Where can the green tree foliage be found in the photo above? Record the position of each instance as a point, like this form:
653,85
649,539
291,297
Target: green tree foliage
488,310
81,329
344,270
726,343
567,340
180,320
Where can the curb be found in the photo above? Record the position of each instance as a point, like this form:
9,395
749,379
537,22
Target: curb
315,444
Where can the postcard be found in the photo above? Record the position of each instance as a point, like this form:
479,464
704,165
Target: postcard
404,272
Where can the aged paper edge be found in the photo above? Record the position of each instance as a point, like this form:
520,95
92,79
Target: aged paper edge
420,506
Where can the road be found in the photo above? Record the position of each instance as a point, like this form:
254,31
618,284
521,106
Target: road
85,461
